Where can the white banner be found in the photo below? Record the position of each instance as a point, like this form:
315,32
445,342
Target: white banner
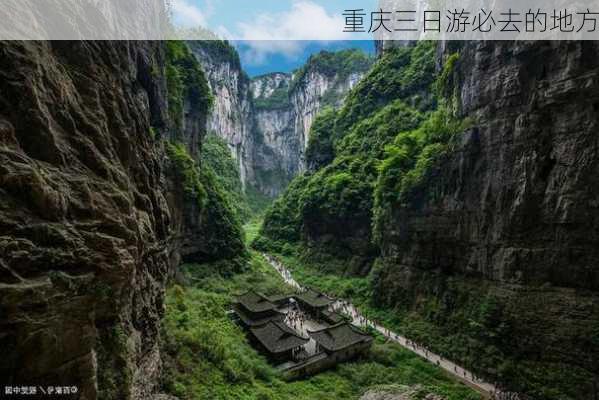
299,19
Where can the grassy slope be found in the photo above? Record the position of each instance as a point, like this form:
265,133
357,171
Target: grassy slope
208,357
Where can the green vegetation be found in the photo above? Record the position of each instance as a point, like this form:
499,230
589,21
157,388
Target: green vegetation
185,82
341,63
320,151
278,99
220,51
405,73
252,228
410,158
217,160
472,323
338,198
222,230
216,157
219,222
257,201
284,217
188,172
113,353
444,85
208,357
368,161
214,186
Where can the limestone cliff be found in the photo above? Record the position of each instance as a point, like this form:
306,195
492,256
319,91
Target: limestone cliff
266,120
286,106
232,114
208,228
85,234
507,223
277,156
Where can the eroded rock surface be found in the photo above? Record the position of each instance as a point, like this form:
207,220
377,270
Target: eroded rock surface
84,224
513,212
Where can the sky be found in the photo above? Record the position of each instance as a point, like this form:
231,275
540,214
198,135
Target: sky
265,31
293,56
269,19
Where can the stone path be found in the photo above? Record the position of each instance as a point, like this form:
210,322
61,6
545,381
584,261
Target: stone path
485,388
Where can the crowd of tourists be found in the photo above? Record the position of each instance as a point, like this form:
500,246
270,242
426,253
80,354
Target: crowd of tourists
296,318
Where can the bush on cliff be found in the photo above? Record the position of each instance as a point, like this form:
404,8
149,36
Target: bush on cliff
216,157
185,81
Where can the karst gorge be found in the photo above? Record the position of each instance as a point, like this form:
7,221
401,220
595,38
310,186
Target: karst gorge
436,202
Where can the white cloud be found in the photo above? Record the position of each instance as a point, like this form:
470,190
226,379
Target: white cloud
256,52
305,21
283,33
222,32
186,15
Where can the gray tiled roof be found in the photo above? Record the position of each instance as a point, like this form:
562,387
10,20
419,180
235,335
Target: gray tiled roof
255,302
248,320
314,298
340,336
332,316
279,298
277,337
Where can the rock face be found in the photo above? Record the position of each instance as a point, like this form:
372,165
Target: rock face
84,242
266,120
278,157
100,199
285,108
514,210
232,114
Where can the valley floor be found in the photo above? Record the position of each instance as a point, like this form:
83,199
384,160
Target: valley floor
207,356
347,308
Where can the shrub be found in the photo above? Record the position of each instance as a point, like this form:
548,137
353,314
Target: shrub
188,172
224,237
217,158
341,63
402,73
185,82
409,159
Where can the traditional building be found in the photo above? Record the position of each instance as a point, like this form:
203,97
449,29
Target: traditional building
314,302
281,300
277,341
285,347
342,342
255,309
332,317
